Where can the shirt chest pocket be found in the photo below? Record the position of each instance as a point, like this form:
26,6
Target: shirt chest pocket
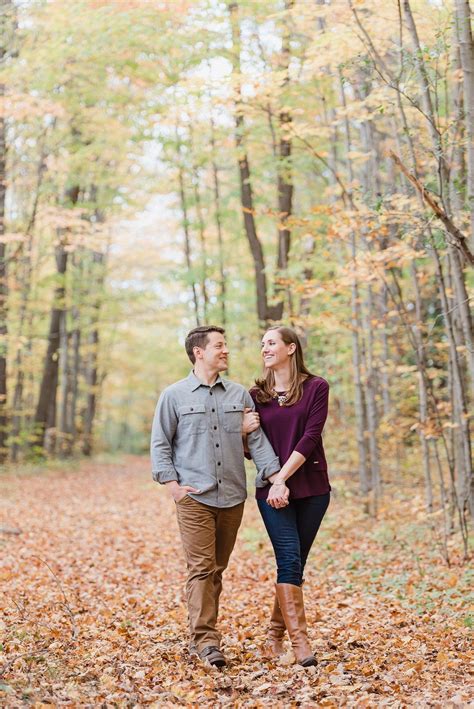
192,419
232,417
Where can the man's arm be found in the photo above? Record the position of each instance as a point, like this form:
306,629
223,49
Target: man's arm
261,451
163,431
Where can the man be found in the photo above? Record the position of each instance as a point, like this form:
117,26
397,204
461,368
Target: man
197,452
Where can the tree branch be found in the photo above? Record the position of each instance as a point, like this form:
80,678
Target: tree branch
458,238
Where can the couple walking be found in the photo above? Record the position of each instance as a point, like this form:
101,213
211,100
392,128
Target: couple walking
202,428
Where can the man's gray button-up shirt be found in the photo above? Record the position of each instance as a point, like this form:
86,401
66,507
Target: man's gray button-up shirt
197,440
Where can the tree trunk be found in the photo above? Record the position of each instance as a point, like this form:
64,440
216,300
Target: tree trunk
202,238
356,328
218,220
464,31
63,438
187,238
6,9
265,312
25,278
46,408
426,99
3,293
371,404
93,346
75,369
284,178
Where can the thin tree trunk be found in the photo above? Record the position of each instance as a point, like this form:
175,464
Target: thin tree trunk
284,176
93,346
187,238
422,392
370,401
356,331
218,220
25,285
466,43
456,263
461,418
75,369
64,367
6,9
426,98
202,236
265,312
46,408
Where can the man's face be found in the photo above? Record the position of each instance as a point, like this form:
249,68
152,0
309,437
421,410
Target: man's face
214,355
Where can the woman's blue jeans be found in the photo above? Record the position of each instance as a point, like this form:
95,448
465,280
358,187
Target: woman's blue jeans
292,531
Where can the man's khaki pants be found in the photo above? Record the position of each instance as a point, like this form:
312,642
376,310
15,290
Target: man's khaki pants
208,535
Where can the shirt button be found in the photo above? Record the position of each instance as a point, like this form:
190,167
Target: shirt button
220,481
215,429
191,409
213,411
218,462
210,393
217,445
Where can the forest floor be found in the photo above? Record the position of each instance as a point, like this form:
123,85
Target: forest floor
94,611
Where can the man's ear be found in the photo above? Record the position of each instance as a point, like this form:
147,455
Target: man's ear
197,352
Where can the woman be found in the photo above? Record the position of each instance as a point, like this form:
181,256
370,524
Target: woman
292,404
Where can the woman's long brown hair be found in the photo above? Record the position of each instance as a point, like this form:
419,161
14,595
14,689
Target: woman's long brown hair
298,371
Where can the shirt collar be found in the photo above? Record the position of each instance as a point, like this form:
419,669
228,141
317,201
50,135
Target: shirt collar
195,382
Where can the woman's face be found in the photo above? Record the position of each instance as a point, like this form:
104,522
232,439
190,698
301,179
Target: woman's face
275,353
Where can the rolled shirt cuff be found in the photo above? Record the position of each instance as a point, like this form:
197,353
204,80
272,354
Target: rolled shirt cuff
264,473
165,476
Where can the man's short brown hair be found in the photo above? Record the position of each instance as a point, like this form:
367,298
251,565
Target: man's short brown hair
199,337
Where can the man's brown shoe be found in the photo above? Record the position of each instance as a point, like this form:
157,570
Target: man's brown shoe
213,656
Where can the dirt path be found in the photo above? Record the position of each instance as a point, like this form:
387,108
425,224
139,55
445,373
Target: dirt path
92,579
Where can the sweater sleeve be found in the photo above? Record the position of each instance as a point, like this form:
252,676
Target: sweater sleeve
316,419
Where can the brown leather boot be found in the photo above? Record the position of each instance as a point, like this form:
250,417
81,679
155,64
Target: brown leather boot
276,631
290,599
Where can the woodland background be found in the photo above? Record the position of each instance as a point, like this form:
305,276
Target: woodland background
167,164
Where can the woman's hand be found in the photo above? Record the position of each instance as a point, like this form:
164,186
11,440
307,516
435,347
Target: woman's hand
250,422
278,495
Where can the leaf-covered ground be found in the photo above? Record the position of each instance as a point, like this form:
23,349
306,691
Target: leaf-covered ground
94,614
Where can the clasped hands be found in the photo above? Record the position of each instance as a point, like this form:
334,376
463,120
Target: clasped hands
278,495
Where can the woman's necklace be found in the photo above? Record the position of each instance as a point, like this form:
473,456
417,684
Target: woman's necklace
281,397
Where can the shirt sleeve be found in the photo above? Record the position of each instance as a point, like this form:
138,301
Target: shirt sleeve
316,420
163,430
261,451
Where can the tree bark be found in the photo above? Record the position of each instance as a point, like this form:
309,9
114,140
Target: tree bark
187,237
202,236
46,407
265,312
218,220
26,266
427,100
356,328
284,178
466,43
6,10
92,379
